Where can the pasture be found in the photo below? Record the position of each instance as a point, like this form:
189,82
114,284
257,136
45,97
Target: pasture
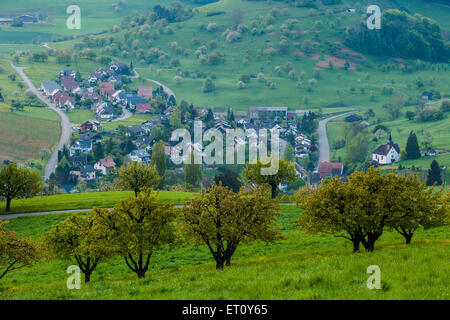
84,201
27,134
302,266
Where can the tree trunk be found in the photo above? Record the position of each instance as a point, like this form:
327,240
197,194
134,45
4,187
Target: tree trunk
8,204
87,276
355,246
274,190
228,261
219,263
408,237
140,274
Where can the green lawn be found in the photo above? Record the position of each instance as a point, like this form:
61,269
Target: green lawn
83,201
302,266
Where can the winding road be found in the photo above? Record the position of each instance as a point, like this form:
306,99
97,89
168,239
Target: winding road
324,147
66,126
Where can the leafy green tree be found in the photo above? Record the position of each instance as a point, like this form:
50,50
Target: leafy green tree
208,85
286,173
15,252
289,153
138,228
412,147
175,119
357,210
98,151
159,157
229,179
193,174
18,182
434,174
80,238
222,220
416,206
135,176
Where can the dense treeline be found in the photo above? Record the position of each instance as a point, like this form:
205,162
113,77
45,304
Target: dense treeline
401,35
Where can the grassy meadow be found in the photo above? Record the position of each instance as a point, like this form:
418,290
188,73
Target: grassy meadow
84,201
24,135
302,266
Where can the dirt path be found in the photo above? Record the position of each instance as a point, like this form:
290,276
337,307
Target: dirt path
66,126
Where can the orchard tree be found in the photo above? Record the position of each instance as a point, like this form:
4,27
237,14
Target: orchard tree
18,182
80,238
286,173
15,253
416,206
135,176
139,227
357,210
222,220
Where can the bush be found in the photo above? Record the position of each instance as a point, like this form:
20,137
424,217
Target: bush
429,114
445,105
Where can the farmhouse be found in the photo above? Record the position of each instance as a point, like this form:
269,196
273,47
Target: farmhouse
94,137
143,108
106,88
353,118
134,131
81,146
85,173
105,166
145,92
144,141
91,125
330,169
62,99
69,83
428,96
50,88
387,153
105,111
141,156
118,67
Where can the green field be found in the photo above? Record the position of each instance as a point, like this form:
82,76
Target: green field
83,201
302,266
28,134
96,16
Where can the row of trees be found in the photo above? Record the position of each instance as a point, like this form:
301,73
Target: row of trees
361,209
139,227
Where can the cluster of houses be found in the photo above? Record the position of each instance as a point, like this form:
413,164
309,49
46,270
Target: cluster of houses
100,88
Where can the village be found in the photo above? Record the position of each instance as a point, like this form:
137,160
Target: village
94,154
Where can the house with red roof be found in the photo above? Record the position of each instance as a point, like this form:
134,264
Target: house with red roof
69,84
107,88
145,92
143,108
330,169
105,166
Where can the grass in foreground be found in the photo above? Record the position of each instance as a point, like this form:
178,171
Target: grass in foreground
301,267
83,201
